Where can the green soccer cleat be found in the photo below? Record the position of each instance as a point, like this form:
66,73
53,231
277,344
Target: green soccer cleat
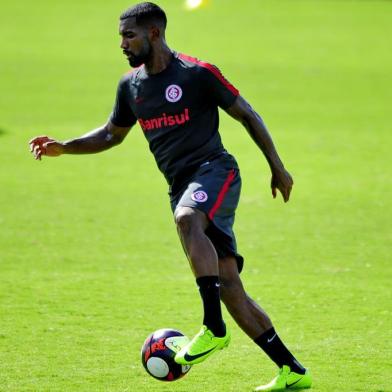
201,347
286,379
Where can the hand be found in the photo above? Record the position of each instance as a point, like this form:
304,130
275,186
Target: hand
43,145
282,180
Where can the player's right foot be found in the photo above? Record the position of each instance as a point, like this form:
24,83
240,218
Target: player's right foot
204,344
287,380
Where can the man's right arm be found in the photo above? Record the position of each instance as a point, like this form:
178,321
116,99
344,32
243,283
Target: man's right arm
100,139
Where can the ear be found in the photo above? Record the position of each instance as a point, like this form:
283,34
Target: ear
155,33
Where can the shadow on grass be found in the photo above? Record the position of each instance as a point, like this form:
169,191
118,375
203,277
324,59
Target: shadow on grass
2,132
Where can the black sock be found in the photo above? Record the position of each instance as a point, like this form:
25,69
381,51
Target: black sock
270,342
209,291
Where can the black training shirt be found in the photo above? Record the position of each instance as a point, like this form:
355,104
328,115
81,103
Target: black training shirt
177,110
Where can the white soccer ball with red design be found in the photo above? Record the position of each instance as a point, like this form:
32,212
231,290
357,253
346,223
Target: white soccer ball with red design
158,352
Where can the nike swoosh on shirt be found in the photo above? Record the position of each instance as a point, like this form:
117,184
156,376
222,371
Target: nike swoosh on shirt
190,358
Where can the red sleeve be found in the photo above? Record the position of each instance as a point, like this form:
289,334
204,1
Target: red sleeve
215,84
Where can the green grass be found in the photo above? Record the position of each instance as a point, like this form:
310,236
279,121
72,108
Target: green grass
89,259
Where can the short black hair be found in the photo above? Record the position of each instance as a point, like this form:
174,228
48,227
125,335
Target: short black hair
145,13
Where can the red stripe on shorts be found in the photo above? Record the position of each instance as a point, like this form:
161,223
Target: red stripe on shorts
222,194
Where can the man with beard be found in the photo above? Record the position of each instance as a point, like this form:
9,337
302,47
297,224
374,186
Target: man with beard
175,99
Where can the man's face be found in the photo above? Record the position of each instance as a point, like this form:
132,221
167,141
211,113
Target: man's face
135,42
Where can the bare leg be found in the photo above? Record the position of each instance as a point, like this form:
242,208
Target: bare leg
246,312
201,254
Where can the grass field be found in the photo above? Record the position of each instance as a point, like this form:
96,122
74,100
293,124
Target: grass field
90,262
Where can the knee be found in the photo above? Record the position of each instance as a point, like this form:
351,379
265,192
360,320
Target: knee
185,219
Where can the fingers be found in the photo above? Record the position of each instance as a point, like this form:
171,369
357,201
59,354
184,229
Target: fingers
274,186
282,182
284,190
286,193
38,150
32,145
39,139
38,146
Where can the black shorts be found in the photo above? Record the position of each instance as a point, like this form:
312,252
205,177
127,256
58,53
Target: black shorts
215,190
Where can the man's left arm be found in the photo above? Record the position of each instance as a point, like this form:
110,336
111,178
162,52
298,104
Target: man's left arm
244,113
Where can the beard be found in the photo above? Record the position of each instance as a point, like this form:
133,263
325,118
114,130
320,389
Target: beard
141,58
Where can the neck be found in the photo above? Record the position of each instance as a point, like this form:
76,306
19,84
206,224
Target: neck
160,60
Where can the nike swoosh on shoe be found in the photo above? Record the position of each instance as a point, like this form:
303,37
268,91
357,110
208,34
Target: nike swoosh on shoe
293,383
190,358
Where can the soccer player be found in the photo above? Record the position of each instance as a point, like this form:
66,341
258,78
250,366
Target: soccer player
175,99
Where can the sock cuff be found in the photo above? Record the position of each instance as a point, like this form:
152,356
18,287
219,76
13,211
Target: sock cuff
207,281
266,336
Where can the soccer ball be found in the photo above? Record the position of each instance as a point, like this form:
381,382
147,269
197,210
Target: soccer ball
158,352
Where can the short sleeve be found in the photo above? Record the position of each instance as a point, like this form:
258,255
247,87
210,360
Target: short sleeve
122,114
218,87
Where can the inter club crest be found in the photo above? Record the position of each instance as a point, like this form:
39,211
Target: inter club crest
173,93
199,196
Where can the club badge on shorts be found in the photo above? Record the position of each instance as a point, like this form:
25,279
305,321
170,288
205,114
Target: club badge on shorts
199,196
173,93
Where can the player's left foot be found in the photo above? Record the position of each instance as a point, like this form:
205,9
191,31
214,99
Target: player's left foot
204,344
287,380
